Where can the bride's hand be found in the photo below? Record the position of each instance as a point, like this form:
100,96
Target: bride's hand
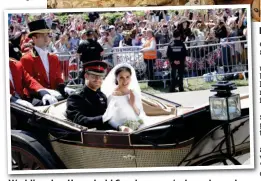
132,99
132,103
125,129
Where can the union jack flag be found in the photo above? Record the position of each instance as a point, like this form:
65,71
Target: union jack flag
201,65
159,64
211,61
217,53
72,68
189,63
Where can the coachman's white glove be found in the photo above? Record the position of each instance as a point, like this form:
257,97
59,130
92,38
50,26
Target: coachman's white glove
51,99
53,92
24,103
69,91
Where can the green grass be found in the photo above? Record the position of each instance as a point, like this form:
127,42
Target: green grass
189,85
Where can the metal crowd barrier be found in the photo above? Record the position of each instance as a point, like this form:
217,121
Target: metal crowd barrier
70,66
222,58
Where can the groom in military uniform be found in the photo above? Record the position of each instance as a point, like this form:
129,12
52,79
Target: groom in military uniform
88,108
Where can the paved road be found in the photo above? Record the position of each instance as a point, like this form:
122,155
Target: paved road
196,98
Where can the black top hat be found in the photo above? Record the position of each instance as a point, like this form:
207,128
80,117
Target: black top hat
38,26
96,67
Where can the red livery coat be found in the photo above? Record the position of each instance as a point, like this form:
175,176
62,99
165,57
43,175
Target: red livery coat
34,66
23,82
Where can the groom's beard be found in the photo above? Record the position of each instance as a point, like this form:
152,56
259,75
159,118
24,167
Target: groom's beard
92,86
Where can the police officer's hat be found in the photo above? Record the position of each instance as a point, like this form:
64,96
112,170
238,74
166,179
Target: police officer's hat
96,67
89,32
38,26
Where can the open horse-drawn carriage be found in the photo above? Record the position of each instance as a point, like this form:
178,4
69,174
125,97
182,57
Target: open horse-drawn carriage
43,138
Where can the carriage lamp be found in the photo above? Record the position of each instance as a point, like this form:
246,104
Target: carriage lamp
224,105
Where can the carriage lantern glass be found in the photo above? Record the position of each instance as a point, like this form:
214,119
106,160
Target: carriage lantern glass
224,105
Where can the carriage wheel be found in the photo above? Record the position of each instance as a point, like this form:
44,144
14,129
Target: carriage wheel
24,160
29,154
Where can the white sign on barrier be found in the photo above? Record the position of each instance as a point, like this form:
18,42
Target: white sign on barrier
129,55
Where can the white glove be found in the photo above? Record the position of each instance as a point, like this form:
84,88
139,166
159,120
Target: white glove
24,103
109,111
54,92
69,91
51,99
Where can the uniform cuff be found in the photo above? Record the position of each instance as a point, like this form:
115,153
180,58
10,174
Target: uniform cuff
13,99
43,92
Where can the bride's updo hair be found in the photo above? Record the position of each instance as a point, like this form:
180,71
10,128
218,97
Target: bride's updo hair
119,70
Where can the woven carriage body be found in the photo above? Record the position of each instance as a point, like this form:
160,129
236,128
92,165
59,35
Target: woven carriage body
115,150
119,155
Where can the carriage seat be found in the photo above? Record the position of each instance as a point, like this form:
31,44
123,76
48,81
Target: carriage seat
155,110
151,107
58,110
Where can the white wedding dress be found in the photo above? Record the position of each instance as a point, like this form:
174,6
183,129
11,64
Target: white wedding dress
123,113
119,110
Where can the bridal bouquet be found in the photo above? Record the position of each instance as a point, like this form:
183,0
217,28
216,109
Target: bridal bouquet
134,125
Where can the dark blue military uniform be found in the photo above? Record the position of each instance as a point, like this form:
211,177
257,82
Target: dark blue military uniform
87,108
177,52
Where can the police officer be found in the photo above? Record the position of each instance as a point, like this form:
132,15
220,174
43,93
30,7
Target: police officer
90,49
176,54
88,107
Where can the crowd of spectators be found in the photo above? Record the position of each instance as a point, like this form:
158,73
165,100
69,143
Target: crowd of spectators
198,27
128,30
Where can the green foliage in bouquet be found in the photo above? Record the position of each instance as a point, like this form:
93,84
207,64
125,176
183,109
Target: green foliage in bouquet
134,125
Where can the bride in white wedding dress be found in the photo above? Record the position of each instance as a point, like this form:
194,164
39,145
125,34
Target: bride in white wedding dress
124,98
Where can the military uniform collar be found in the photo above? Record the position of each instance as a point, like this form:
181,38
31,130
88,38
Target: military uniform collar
89,90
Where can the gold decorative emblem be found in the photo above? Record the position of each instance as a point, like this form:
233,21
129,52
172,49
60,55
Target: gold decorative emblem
105,140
